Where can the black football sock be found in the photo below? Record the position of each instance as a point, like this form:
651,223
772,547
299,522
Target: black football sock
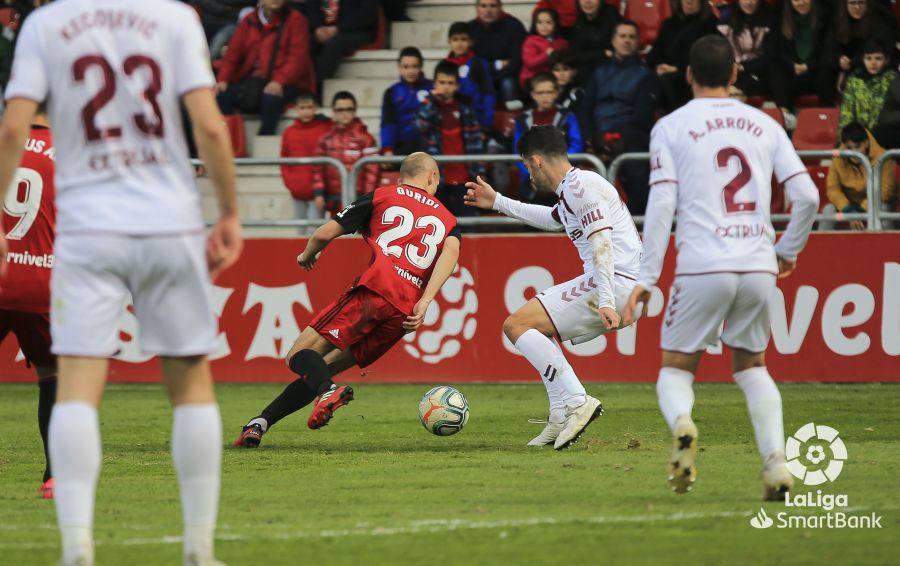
294,397
311,366
46,398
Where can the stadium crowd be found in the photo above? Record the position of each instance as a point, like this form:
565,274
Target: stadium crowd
586,66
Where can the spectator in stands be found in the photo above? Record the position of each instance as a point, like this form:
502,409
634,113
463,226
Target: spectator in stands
847,179
544,112
858,21
747,29
267,63
540,44
475,80
301,139
619,110
567,10
590,38
449,126
348,141
498,38
867,88
690,20
801,61
400,105
339,28
219,19
887,130
565,71
395,10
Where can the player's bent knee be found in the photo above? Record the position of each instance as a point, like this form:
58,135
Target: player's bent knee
681,360
743,359
513,327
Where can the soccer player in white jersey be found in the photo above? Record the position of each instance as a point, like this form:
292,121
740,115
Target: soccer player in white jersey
129,222
712,161
603,232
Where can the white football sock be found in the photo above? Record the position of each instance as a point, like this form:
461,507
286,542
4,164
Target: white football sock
674,390
563,388
263,423
764,404
197,452
74,438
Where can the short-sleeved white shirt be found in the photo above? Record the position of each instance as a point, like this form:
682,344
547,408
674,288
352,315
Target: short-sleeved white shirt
114,72
722,154
588,204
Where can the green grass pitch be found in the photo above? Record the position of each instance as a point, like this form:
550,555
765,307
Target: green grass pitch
375,488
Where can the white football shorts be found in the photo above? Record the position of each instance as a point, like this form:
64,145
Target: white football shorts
572,307
700,304
166,276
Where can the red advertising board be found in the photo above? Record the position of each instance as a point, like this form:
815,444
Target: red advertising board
837,318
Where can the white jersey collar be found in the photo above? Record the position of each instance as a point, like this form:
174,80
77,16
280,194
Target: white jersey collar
564,182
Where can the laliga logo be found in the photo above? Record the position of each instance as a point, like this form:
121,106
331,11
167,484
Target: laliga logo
449,318
812,444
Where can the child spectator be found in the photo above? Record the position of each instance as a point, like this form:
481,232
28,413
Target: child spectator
266,64
301,139
543,40
867,88
567,10
747,30
544,92
449,126
847,179
565,71
690,20
347,141
859,21
801,63
399,132
475,80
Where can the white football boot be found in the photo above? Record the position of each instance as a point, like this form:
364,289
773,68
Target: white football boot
777,480
550,432
577,420
682,466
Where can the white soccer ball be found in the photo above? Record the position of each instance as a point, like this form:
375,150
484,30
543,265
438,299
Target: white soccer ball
443,411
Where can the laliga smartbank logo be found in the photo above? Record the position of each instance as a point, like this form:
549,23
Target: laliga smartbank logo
816,455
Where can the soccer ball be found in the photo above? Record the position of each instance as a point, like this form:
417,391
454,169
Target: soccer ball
443,411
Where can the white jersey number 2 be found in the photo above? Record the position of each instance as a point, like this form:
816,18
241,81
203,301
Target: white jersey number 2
30,185
430,239
723,158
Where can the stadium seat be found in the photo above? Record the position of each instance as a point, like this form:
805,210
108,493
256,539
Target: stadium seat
649,16
816,128
777,203
505,123
806,101
7,15
819,175
775,113
389,178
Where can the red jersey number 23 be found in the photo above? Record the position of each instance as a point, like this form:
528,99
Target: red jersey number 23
422,256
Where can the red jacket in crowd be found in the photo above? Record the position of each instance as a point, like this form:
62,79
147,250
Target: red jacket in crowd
347,145
250,51
567,10
301,139
535,59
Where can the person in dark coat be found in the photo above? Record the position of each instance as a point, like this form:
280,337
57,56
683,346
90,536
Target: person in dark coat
690,20
591,35
339,28
498,38
858,21
748,29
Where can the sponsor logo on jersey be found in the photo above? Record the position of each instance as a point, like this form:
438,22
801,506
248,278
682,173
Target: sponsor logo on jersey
417,281
591,217
25,258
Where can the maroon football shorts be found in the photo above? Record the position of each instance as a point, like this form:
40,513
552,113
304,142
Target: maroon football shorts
363,322
33,333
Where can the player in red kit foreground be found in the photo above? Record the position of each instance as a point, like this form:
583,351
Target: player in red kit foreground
29,221
415,245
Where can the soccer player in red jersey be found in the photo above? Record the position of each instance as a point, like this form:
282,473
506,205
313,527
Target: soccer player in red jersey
415,245
29,220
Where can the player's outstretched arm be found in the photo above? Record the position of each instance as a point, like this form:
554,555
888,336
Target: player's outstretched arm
657,227
13,133
804,203
214,146
317,242
444,267
481,194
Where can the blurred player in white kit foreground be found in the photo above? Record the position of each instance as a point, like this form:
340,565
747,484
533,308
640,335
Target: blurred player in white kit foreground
129,223
603,232
712,161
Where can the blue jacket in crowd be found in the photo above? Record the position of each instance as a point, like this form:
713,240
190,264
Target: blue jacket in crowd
621,96
476,83
398,114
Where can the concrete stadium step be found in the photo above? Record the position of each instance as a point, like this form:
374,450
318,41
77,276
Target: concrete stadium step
464,10
368,92
424,35
382,63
